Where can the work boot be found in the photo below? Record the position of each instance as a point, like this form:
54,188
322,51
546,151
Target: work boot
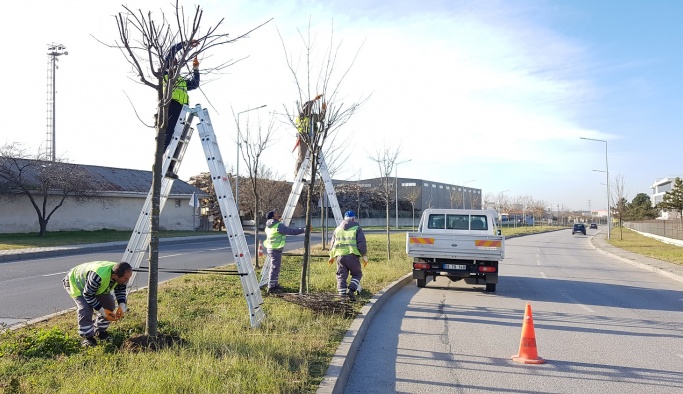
103,336
275,290
171,175
89,341
351,294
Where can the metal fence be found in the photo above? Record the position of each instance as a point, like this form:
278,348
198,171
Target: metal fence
665,228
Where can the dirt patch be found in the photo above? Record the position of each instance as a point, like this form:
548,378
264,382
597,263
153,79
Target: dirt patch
321,303
138,343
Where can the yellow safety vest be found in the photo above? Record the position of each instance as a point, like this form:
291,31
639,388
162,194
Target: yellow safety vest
180,91
345,242
79,274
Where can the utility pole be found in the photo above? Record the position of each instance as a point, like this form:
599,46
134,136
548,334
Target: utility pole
55,50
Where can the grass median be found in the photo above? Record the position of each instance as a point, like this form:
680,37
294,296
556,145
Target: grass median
631,241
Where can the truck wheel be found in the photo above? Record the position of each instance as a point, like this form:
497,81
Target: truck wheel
491,287
421,282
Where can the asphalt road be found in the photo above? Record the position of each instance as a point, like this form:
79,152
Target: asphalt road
33,288
603,326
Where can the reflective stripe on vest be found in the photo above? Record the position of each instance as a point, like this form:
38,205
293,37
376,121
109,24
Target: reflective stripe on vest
345,242
180,92
274,240
79,275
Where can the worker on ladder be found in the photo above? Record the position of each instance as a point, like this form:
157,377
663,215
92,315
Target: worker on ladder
303,126
179,94
276,234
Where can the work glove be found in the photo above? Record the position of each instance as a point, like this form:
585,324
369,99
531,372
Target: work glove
318,96
330,261
121,310
194,43
365,261
107,314
195,63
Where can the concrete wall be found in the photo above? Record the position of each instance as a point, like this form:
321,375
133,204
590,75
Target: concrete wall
117,213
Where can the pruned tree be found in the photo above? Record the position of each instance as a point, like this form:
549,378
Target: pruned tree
386,159
413,195
673,199
146,42
320,110
47,184
619,203
456,197
255,140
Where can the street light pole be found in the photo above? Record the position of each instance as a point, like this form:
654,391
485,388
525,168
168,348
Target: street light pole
237,178
396,187
609,216
463,193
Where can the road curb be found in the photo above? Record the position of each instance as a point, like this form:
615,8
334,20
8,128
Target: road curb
338,372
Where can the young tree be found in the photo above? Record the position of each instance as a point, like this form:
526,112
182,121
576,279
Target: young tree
254,143
619,203
673,199
414,194
146,43
456,197
47,184
320,112
386,160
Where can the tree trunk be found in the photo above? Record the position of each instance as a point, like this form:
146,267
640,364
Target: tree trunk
153,281
307,235
388,234
43,226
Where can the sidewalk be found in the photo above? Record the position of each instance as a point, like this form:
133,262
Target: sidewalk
669,270
66,250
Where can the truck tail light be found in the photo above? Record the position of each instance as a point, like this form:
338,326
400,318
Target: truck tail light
485,268
422,266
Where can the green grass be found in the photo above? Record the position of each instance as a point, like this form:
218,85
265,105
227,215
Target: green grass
60,238
636,243
219,353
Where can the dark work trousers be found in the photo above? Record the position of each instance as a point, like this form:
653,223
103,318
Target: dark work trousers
345,264
275,262
86,328
174,110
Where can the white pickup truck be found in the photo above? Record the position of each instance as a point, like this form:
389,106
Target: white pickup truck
459,244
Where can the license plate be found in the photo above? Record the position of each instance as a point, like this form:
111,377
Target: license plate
454,266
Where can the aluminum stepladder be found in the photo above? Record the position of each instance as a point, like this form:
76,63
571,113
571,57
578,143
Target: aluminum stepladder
139,242
294,195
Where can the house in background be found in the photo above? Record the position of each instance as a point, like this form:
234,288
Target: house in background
123,194
659,188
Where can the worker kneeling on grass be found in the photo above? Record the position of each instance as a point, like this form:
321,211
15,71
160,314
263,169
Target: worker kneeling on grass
90,285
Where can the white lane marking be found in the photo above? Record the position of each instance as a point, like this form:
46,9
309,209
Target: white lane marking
56,273
578,304
194,252
543,275
680,355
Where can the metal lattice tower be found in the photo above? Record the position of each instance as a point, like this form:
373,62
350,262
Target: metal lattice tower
54,50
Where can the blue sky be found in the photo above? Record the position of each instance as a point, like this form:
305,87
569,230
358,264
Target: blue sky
498,92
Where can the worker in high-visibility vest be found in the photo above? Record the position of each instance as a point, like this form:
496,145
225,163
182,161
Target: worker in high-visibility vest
348,246
276,234
179,94
90,285
303,126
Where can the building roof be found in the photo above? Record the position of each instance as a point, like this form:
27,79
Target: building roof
123,180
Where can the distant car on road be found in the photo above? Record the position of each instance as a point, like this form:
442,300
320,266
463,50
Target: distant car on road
579,228
594,225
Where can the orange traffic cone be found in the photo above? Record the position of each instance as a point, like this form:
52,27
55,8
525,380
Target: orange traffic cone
260,249
528,354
